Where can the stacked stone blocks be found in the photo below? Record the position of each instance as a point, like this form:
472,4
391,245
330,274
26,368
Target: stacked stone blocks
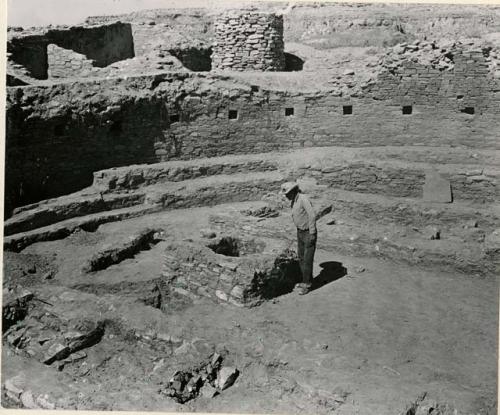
122,120
64,63
249,41
195,271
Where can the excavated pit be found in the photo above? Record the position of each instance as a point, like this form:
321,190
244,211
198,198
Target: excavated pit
123,250
236,247
244,280
226,246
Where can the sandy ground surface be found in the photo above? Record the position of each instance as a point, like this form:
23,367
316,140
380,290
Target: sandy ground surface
369,341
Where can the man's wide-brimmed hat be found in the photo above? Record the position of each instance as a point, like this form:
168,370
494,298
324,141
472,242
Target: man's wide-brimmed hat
288,187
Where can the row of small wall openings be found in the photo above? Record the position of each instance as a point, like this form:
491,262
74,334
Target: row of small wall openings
406,110
290,111
346,110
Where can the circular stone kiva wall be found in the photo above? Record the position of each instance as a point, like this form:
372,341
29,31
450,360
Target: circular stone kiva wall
249,41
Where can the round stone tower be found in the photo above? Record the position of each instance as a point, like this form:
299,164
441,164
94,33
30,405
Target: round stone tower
249,40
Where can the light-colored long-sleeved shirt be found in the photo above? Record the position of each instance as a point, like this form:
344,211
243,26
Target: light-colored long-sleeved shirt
303,213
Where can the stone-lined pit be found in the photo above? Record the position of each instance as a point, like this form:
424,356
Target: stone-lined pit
227,246
245,280
235,247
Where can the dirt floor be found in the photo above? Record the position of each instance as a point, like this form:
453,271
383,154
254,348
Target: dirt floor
371,338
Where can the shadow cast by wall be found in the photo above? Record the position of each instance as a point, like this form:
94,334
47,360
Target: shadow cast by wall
104,45
79,146
196,59
331,271
293,63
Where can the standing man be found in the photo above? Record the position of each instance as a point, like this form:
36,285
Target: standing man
304,218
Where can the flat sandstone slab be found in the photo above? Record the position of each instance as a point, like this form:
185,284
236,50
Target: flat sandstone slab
437,189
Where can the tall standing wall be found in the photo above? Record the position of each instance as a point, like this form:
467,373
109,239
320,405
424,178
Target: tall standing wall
58,135
73,51
249,41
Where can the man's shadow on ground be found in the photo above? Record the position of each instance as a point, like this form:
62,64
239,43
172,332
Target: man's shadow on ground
331,271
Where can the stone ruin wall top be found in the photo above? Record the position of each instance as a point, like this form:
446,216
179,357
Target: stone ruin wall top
249,41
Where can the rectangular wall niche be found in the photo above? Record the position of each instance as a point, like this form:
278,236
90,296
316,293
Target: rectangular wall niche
407,109
174,118
289,112
233,114
347,109
468,110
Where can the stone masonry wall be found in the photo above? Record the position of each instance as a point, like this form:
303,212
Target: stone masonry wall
363,172
31,53
160,29
58,136
480,185
64,63
440,105
244,281
249,41
101,44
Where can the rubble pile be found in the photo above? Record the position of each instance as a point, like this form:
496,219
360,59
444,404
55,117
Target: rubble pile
263,212
15,308
442,56
249,41
438,55
18,396
209,379
423,406
45,337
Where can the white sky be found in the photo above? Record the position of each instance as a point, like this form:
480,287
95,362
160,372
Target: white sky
28,13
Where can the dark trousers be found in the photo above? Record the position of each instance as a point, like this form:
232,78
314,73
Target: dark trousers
305,252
